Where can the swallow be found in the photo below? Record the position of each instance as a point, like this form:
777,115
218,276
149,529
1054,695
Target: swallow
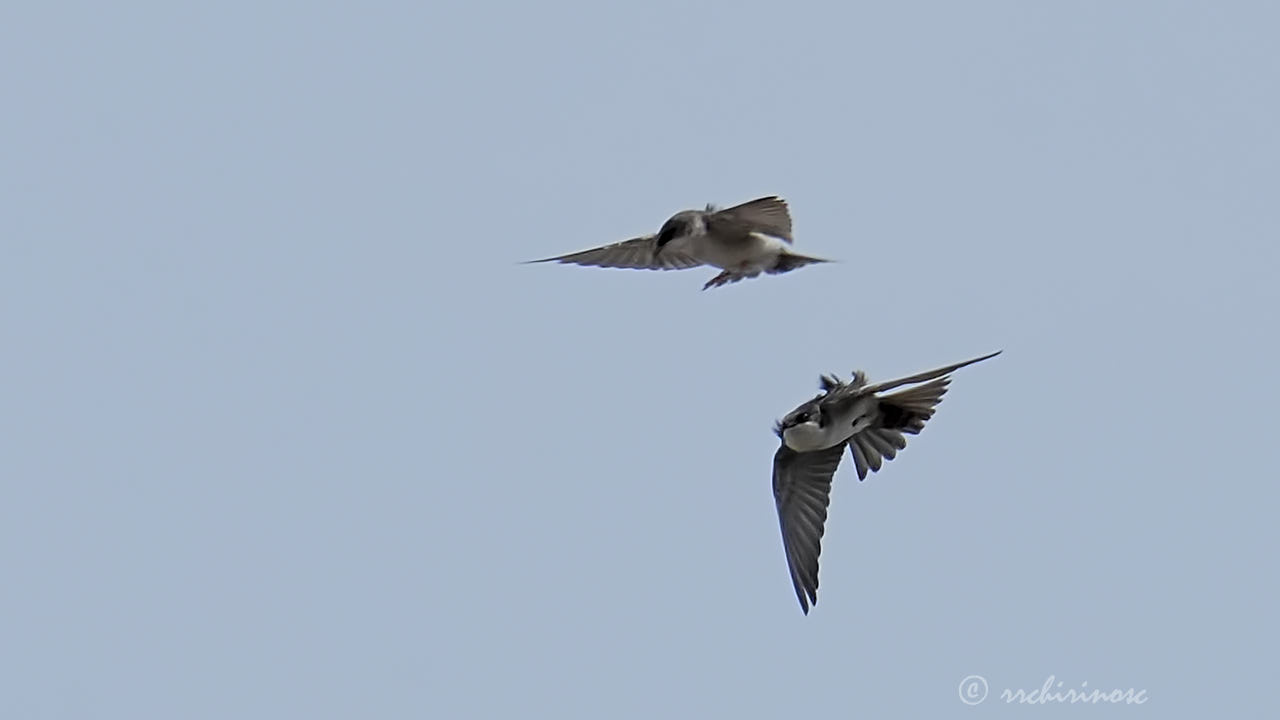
813,438
743,241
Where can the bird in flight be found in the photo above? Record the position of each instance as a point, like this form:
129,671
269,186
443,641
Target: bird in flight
743,241
813,438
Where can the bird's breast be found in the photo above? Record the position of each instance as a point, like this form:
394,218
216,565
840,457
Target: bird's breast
808,437
753,252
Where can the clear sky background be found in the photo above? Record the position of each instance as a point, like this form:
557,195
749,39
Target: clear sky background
286,431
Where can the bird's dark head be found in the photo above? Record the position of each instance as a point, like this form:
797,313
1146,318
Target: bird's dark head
809,412
682,224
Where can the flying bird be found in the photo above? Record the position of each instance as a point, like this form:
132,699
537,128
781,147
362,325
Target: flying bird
743,241
813,438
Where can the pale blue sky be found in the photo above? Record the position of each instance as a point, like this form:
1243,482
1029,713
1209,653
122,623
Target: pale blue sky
288,432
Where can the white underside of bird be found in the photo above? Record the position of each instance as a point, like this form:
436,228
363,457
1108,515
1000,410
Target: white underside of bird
750,258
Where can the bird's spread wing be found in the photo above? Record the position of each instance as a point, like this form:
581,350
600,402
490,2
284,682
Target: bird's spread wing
636,253
802,491
927,375
899,414
768,215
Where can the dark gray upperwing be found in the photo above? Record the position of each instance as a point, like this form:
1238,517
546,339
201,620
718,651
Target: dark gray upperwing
802,491
927,375
768,215
636,254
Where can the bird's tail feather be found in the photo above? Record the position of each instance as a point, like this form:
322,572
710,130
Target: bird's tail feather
787,262
872,447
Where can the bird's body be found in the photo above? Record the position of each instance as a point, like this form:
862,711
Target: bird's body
751,255
742,241
812,441
832,425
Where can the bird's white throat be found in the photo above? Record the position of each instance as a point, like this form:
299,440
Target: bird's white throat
808,436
